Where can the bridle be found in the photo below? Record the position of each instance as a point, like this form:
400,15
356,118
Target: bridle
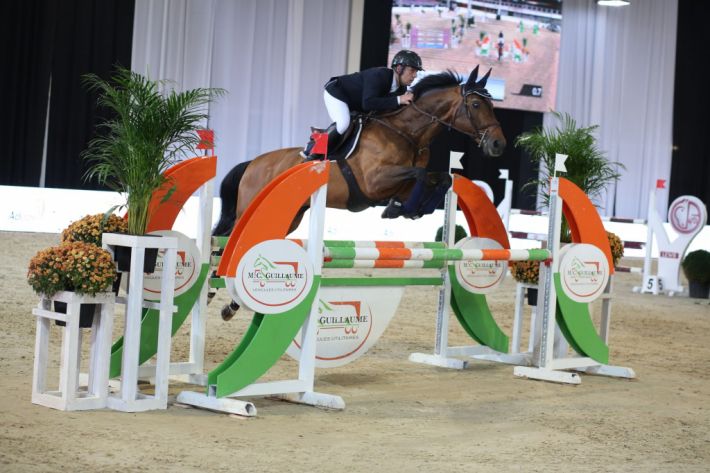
479,134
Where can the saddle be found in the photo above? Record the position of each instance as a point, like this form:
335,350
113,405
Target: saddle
347,142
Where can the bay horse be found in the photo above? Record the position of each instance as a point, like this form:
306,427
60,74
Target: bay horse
393,147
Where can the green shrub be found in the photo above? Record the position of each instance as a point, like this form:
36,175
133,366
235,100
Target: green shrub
459,234
696,266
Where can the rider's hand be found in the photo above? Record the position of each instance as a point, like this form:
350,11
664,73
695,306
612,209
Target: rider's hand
406,98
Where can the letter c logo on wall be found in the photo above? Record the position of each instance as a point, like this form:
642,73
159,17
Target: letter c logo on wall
273,277
687,215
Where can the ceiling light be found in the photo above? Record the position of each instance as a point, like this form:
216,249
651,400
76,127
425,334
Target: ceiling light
613,3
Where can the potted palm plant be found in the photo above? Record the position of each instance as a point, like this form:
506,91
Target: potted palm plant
587,167
151,127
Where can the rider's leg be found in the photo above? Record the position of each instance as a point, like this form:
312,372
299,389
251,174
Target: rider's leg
339,112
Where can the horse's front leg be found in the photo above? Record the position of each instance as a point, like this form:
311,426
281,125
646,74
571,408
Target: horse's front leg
413,191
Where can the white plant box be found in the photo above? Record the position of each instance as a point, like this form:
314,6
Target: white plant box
129,399
69,397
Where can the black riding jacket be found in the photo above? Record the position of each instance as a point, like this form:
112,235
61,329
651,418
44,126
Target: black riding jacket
367,90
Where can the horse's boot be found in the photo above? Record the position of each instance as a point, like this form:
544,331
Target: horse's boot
437,186
393,209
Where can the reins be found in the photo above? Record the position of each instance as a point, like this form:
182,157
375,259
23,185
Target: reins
478,136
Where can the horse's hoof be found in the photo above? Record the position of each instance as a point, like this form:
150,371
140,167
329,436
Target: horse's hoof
227,313
229,310
210,296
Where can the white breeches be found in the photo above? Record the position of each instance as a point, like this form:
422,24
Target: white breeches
338,110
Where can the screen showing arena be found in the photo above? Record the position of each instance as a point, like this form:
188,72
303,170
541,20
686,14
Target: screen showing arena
519,41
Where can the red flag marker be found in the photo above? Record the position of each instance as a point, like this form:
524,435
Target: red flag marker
206,139
660,183
321,146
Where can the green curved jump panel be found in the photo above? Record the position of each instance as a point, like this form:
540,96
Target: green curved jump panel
475,316
576,325
265,341
149,324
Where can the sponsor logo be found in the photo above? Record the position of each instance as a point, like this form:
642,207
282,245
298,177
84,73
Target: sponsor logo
187,265
584,272
480,277
687,214
343,328
273,276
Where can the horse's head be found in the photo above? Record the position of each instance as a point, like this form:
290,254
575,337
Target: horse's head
478,119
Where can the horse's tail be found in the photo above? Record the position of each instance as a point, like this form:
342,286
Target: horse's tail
228,193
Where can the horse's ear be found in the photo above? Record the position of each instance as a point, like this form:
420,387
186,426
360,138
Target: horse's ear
482,83
471,82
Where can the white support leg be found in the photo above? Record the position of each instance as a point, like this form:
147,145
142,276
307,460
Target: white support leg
441,354
129,399
68,396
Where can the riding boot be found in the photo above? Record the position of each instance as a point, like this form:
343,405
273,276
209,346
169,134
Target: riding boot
305,153
333,142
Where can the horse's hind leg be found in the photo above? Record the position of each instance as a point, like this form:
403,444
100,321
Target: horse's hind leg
228,195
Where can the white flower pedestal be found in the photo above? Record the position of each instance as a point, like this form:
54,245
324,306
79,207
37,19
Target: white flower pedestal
69,396
129,399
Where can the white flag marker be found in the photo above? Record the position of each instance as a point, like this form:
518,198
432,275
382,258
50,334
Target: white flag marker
560,162
455,160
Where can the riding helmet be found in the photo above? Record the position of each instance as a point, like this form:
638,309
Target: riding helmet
409,58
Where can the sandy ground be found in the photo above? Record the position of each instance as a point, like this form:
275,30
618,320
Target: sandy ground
400,416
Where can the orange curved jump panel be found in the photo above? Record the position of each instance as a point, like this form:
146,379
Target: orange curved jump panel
583,219
223,267
481,215
271,213
183,180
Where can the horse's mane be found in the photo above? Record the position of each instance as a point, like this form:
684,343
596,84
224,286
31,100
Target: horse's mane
447,78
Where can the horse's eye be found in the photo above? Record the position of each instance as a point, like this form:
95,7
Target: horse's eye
476,104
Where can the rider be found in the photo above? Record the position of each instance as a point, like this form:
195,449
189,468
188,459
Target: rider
375,89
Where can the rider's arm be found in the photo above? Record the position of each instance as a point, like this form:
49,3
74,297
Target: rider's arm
375,90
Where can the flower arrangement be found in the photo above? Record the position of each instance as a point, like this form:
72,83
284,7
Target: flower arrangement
72,266
617,247
90,228
527,272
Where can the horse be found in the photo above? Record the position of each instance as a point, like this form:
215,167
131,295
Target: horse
392,148
391,154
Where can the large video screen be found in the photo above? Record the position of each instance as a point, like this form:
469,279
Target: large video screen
518,40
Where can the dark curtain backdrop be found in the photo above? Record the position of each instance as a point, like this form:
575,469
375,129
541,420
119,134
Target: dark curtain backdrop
26,35
59,40
375,47
690,167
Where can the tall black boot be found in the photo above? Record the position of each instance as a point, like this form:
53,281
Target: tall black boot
333,142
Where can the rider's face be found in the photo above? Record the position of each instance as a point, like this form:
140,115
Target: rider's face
407,76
